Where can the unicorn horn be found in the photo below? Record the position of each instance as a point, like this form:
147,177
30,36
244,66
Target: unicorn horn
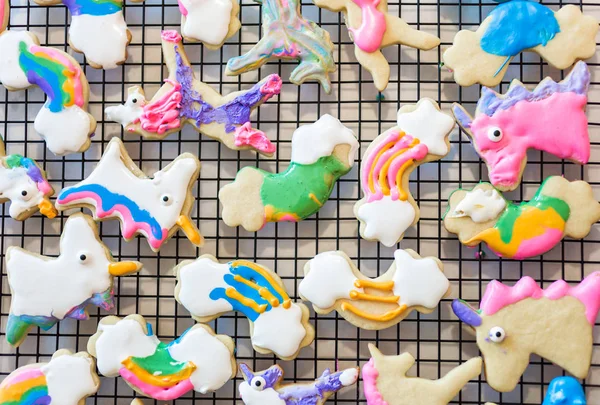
190,230
47,209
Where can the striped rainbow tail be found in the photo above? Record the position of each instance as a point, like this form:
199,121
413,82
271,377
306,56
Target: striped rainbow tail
25,386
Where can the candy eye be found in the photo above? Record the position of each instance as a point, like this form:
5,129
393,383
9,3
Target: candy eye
84,258
258,383
134,100
166,199
495,134
497,334
25,195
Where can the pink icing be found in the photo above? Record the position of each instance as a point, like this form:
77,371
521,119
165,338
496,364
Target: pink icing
171,35
272,86
162,115
370,375
369,35
498,295
158,393
2,11
560,127
18,376
183,11
539,244
246,135
44,187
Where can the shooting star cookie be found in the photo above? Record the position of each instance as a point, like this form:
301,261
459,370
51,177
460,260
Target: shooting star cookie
211,22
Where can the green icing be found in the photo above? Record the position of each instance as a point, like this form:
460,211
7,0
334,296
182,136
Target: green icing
161,361
13,161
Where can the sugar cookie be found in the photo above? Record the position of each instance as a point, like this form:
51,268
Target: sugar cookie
209,289
560,38
518,231
507,125
67,379
563,391
321,153
372,29
266,387
184,99
385,381
198,360
388,209
155,207
288,35
211,22
513,323
333,282
46,290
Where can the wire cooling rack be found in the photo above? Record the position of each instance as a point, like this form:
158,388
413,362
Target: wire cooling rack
438,341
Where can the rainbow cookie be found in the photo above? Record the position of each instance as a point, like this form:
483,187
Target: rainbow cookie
321,153
209,289
372,29
507,125
46,290
288,35
513,323
198,360
155,207
184,99
332,282
266,387
210,22
388,209
67,379
561,38
63,120
518,231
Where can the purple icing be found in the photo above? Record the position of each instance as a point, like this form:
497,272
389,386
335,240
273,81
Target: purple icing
34,78
313,393
465,313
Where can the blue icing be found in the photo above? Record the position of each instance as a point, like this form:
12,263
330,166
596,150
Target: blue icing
251,274
565,391
93,7
219,293
246,291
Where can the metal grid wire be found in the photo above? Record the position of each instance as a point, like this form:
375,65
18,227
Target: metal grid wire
438,341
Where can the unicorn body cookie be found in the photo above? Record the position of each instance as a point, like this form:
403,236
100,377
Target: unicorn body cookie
266,387
385,381
518,231
514,322
209,289
288,35
372,29
321,153
184,99
198,360
332,282
506,126
209,21
388,208
561,38
153,207
67,379
63,120
45,290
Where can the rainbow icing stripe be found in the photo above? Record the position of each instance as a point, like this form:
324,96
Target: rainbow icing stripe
25,386
93,7
33,171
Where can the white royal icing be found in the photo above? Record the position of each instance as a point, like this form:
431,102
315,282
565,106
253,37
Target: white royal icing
127,113
349,376
12,183
429,125
196,280
386,219
69,379
251,396
480,205
313,141
65,131
279,330
11,74
207,20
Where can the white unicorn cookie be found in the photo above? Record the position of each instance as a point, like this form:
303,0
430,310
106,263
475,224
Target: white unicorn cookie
154,207
46,290
332,282
67,379
388,208
198,360
211,22
209,289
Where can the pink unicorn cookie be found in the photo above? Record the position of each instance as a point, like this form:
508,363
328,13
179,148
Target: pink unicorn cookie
513,323
551,118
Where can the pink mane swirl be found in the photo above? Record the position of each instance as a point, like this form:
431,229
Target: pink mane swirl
498,295
162,115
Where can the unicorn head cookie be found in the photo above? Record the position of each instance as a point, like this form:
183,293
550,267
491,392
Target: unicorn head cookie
153,207
45,290
513,323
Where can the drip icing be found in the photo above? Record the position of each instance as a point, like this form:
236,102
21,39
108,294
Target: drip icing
369,35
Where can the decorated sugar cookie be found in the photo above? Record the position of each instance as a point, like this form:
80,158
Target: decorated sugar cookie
372,29
209,289
561,38
288,35
267,387
388,209
507,125
63,121
198,360
518,231
46,290
385,381
513,323
155,207
563,391
184,99
321,153
67,379
332,282
209,21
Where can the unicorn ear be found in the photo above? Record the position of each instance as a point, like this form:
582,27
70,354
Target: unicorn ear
465,313
375,352
462,117
246,372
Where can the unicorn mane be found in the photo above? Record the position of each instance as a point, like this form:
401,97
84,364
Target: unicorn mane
577,82
93,7
33,172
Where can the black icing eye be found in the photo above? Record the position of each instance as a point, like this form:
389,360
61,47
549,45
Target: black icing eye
24,193
495,134
497,334
166,199
84,258
258,383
